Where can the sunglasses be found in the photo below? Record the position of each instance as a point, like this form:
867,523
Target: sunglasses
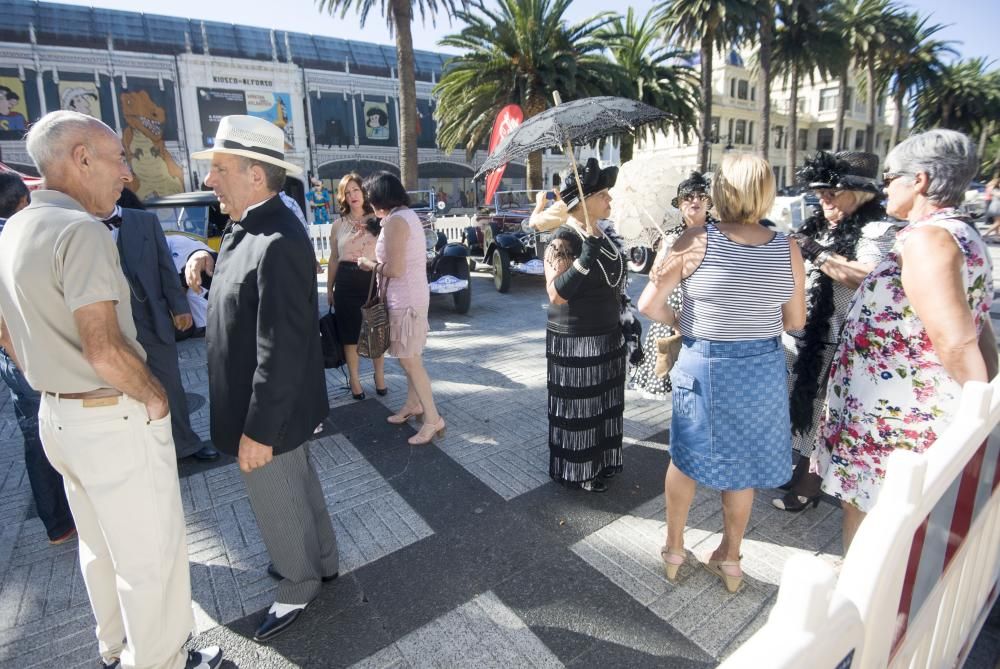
695,198
889,177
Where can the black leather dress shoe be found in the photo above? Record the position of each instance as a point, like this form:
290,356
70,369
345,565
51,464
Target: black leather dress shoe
273,573
206,454
273,625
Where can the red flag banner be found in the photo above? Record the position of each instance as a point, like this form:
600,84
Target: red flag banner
507,121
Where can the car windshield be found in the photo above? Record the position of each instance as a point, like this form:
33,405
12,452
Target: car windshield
514,199
192,220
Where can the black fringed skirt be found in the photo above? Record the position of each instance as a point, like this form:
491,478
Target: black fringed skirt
586,383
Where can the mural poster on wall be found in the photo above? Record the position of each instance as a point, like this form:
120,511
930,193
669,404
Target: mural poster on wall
377,122
13,108
213,104
276,108
80,96
148,115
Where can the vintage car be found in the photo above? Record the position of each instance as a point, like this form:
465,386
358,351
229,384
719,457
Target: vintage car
195,214
447,262
501,239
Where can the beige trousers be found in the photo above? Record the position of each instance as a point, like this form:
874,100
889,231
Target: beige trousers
120,473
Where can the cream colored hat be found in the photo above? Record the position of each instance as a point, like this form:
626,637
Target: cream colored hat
250,137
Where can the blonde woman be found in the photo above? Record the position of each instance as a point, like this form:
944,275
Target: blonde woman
743,286
352,236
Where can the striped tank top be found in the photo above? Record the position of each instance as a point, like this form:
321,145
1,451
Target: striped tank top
737,291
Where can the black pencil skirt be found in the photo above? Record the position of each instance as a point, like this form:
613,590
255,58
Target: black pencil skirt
349,295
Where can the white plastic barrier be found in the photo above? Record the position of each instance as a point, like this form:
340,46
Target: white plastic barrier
921,574
319,235
453,226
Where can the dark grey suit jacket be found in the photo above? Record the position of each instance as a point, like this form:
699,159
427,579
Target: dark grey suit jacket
265,366
152,277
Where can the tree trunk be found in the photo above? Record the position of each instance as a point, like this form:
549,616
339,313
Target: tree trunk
984,135
838,128
403,16
535,104
872,107
626,147
897,126
793,127
766,44
707,49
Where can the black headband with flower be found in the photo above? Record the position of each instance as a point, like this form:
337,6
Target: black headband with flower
846,170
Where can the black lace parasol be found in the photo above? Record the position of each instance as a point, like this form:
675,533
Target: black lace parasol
580,121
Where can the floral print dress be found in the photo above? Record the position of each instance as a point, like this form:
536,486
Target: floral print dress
887,386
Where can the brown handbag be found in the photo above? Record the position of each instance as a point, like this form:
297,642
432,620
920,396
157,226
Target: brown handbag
373,341
667,350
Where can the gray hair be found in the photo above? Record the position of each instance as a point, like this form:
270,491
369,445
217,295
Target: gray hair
274,176
51,139
947,157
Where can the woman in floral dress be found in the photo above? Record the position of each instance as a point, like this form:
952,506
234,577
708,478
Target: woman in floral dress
694,202
916,331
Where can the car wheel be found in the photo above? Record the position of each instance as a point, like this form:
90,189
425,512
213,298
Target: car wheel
640,259
463,300
501,270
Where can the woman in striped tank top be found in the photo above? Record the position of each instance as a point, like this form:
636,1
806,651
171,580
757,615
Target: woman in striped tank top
743,285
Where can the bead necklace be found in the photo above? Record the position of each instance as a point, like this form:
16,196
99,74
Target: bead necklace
613,255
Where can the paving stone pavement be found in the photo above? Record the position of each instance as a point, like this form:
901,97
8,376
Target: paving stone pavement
463,553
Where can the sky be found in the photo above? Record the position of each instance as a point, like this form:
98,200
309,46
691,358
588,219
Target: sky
973,23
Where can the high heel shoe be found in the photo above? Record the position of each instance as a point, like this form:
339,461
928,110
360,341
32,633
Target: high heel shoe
671,568
794,503
427,433
359,396
383,391
403,416
731,582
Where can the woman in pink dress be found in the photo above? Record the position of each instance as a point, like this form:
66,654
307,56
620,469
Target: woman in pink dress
401,261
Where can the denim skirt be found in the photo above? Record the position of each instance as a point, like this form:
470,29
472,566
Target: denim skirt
730,427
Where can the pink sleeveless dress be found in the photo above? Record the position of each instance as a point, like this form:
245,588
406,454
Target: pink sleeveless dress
407,296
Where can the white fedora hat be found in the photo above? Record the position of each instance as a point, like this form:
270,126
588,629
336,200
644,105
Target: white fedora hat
250,137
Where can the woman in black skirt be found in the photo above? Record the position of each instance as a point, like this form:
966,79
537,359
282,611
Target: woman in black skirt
585,349
352,236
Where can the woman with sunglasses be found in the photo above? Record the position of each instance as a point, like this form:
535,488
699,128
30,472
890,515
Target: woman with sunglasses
693,201
840,245
917,329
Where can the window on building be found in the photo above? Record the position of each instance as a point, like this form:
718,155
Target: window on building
828,99
824,139
803,143
750,133
715,129
848,96
741,132
753,93
859,140
732,88
802,105
729,137
742,89
878,142
779,135
846,140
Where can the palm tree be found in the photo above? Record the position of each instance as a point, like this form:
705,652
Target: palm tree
653,73
709,25
765,48
399,15
805,42
868,27
915,63
520,52
961,98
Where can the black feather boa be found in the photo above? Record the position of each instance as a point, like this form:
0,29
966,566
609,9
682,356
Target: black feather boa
819,308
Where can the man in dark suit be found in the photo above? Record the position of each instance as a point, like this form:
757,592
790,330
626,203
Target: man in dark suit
265,367
158,307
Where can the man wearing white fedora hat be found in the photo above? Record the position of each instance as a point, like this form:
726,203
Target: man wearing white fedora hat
265,367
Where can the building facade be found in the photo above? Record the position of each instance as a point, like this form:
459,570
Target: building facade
164,83
737,121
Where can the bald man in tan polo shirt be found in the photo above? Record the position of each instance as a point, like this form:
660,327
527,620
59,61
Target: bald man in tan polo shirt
104,421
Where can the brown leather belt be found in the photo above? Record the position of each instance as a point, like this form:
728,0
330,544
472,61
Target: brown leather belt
101,397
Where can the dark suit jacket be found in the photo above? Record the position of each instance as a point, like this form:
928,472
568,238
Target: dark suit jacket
152,277
265,365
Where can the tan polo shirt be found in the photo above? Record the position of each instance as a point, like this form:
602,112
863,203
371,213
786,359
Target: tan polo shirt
54,259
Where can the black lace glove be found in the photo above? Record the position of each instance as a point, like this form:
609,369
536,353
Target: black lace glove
810,247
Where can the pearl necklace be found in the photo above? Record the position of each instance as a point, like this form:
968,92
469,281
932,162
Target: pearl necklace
613,255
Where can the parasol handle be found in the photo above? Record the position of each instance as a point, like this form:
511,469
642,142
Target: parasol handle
576,175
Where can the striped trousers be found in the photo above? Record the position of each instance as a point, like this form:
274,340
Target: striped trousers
287,500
